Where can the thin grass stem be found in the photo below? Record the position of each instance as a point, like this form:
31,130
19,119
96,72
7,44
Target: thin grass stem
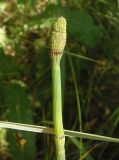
78,103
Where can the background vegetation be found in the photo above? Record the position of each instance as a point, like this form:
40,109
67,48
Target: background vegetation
25,76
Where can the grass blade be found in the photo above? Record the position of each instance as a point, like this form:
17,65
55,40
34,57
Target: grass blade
83,57
78,103
46,130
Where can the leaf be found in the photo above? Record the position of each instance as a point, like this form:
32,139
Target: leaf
46,130
80,24
84,29
19,110
31,2
7,63
21,1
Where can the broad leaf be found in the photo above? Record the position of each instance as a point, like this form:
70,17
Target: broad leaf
80,24
19,110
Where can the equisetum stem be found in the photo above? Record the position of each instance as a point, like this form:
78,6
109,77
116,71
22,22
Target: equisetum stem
57,109
57,44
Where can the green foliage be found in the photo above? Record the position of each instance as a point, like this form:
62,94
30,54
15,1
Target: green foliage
19,110
31,2
85,30
17,98
21,1
7,65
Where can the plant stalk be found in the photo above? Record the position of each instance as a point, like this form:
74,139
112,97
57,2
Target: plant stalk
57,44
57,109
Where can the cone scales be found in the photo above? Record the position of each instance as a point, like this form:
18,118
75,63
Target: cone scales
58,36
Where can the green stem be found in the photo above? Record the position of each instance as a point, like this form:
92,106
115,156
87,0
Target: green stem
57,44
78,104
57,108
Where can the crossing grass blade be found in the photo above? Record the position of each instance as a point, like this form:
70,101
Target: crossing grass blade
47,130
83,57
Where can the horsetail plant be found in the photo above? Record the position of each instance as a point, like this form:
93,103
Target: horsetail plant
57,44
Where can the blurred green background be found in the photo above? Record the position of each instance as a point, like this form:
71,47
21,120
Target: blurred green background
25,76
